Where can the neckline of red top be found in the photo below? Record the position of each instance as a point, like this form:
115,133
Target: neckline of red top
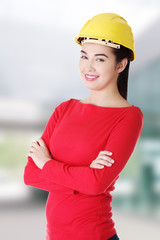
95,106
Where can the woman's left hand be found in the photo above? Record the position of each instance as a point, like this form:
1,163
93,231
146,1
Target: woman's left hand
39,153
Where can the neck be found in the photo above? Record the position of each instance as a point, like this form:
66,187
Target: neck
110,97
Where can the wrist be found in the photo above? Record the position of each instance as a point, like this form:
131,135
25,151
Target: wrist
47,160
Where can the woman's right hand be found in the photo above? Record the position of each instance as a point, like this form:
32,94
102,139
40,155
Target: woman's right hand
102,159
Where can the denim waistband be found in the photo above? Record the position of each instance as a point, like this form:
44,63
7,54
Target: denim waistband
114,237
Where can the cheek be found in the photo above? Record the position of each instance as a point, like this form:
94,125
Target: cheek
80,65
108,69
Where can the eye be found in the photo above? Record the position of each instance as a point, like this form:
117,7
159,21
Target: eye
100,59
84,57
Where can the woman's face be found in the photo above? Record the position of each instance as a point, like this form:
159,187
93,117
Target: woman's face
97,66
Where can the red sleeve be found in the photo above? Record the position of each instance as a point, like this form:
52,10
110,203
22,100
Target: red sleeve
47,133
121,143
32,177
32,174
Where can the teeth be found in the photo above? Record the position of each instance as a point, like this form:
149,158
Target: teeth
91,76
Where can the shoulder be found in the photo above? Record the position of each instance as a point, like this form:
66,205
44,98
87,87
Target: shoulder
132,119
135,113
138,109
62,106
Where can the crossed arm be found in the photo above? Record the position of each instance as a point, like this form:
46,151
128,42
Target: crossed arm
49,173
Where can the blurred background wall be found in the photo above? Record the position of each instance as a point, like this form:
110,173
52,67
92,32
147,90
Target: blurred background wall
39,70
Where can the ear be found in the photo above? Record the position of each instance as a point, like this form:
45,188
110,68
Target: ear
121,65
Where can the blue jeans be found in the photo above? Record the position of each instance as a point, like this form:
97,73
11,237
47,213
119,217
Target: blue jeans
114,237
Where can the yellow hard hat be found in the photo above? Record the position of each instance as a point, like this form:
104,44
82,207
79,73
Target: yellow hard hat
109,29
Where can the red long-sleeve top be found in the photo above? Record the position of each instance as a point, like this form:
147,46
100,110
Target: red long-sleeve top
79,201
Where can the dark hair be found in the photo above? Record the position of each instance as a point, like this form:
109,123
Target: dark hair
122,81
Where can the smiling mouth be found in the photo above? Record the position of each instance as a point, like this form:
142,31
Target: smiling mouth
91,77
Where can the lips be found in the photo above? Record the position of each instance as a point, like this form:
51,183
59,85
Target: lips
91,77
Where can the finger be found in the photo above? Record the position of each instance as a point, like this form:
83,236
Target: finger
102,156
37,142
104,162
35,145
99,166
107,158
106,152
41,142
32,155
29,154
32,151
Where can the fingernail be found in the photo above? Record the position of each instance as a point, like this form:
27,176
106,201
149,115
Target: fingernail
101,166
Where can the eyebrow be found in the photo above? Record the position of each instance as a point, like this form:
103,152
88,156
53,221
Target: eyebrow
98,54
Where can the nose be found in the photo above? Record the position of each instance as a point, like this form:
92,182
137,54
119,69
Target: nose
90,66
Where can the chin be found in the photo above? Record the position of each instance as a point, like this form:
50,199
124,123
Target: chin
91,86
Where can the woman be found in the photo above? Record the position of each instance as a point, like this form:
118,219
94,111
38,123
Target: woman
86,143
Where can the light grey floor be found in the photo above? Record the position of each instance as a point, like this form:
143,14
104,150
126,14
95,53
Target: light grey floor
23,222
27,222
133,227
